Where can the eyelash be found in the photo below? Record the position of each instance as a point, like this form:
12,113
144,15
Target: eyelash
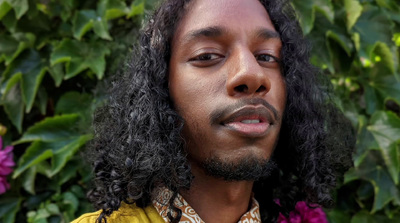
214,56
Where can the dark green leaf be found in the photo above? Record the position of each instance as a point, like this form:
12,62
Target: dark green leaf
372,171
365,142
370,33
353,11
57,73
32,68
112,9
137,8
20,7
100,27
14,106
28,179
62,156
4,8
74,102
83,22
52,129
9,208
385,127
11,48
80,56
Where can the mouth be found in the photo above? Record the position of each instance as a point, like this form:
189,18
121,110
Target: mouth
249,121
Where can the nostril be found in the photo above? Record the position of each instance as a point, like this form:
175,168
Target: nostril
241,88
261,89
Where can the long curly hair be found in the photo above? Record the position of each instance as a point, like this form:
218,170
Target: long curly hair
138,147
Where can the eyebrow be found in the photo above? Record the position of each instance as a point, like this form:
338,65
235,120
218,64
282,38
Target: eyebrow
212,31
267,33
216,31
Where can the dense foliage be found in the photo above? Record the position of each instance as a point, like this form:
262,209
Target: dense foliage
54,54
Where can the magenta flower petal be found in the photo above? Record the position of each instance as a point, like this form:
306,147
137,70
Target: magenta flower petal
3,185
6,161
304,214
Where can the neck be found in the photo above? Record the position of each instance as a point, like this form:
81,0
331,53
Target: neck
216,200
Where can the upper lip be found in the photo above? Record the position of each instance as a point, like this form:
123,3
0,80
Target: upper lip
259,112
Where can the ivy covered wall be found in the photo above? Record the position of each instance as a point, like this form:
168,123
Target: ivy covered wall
54,55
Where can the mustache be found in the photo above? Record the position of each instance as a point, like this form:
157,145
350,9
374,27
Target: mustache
218,114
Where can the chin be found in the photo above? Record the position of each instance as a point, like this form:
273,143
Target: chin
246,168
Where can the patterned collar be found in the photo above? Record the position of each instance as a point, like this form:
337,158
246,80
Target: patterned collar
190,215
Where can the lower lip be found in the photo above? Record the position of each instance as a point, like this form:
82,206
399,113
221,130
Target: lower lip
249,129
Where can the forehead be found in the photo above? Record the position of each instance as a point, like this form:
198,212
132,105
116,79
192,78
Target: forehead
224,13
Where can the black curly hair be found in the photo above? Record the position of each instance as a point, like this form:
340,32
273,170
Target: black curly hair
138,147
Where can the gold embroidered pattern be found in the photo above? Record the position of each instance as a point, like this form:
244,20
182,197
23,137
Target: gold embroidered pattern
189,215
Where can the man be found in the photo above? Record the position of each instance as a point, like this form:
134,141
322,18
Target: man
221,118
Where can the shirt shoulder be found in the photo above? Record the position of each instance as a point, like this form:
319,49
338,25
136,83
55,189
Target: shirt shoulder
127,213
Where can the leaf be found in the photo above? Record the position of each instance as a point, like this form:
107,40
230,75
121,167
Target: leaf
378,31
353,11
385,127
377,91
57,73
336,216
112,9
80,56
9,208
137,8
63,155
52,129
345,43
32,68
100,27
12,47
371,170
37,152
20,7
83,22
14,107
307,9
74,102
60,151
28,179
365,142
384,61
4,8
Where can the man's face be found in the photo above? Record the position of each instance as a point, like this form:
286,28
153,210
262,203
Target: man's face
226,83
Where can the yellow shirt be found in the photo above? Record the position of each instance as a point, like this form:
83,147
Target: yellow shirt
127,213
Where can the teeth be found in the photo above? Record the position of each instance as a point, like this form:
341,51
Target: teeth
250,121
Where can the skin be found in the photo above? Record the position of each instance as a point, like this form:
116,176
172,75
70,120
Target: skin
225,59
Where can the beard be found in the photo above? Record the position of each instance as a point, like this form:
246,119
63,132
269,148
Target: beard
248,168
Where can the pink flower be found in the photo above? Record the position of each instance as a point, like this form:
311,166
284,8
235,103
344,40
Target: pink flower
304,214
6,162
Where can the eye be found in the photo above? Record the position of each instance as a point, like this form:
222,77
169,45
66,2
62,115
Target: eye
205,59
205,56
266,58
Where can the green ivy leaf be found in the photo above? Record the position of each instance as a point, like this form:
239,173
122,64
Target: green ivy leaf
112,9
52,129
60,151
80,56
12,47
137,8
28,179
370,33
353,11
365,141
57,73
20,7
85,20
32,68
307,9
4,8
9,208
372,171
383,60
377,91
385,127
74,102
14,106
63,155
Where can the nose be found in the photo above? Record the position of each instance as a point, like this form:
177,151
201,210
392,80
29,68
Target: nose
246,76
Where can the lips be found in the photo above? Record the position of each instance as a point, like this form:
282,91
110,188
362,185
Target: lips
249,121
